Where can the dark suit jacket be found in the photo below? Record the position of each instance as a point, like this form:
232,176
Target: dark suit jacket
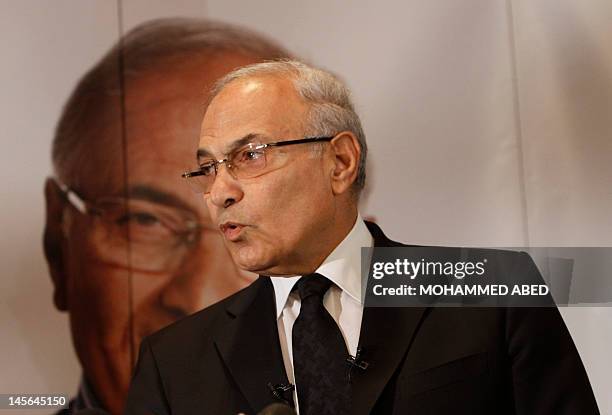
432,360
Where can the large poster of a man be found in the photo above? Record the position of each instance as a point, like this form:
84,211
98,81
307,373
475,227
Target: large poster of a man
130,247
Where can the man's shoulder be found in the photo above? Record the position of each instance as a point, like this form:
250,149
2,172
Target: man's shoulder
382,241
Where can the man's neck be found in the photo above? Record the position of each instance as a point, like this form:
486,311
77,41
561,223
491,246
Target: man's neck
341,230
326,242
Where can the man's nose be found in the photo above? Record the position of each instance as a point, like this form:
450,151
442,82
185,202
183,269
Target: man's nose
225,189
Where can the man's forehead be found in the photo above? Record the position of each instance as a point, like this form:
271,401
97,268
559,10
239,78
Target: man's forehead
249,100
257,108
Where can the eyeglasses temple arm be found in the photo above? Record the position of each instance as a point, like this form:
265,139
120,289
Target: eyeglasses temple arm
300,141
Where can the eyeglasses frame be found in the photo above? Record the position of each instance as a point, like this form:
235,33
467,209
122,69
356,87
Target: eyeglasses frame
227,162
86,207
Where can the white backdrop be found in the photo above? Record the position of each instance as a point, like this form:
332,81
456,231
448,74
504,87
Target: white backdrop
487,120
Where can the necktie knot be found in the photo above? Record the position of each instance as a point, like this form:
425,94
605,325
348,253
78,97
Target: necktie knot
312,284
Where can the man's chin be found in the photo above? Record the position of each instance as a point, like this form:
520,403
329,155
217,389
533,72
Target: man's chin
271,269
255,268
251,263
245,257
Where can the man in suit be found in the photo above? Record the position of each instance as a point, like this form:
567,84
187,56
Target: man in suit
282,162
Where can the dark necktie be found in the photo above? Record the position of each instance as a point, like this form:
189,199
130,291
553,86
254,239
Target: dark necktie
319,353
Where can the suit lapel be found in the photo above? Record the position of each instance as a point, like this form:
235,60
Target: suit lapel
386,334
249,345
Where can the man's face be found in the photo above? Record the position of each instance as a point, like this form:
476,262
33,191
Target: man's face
113,304
274,223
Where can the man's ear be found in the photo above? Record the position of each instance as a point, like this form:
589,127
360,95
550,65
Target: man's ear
346,151
53,242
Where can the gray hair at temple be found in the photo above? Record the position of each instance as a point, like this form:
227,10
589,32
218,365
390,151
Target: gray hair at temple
331,109
138,52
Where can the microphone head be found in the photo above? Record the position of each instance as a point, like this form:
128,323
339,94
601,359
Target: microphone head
277,409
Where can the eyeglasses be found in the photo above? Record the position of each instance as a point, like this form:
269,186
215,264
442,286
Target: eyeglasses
247,162
138,234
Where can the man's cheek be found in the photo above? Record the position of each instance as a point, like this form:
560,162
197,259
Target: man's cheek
147,287
102,299
255,250
212,210
108,290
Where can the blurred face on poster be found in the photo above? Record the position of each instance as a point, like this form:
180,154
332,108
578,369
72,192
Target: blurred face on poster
131,248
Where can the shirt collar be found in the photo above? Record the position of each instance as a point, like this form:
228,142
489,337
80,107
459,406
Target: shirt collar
342,267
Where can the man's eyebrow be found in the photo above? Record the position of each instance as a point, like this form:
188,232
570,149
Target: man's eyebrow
204,153
151,194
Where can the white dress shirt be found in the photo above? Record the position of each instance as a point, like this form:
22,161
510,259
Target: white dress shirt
342,300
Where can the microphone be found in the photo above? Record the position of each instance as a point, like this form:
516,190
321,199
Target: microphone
277,409
279,391
356,362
